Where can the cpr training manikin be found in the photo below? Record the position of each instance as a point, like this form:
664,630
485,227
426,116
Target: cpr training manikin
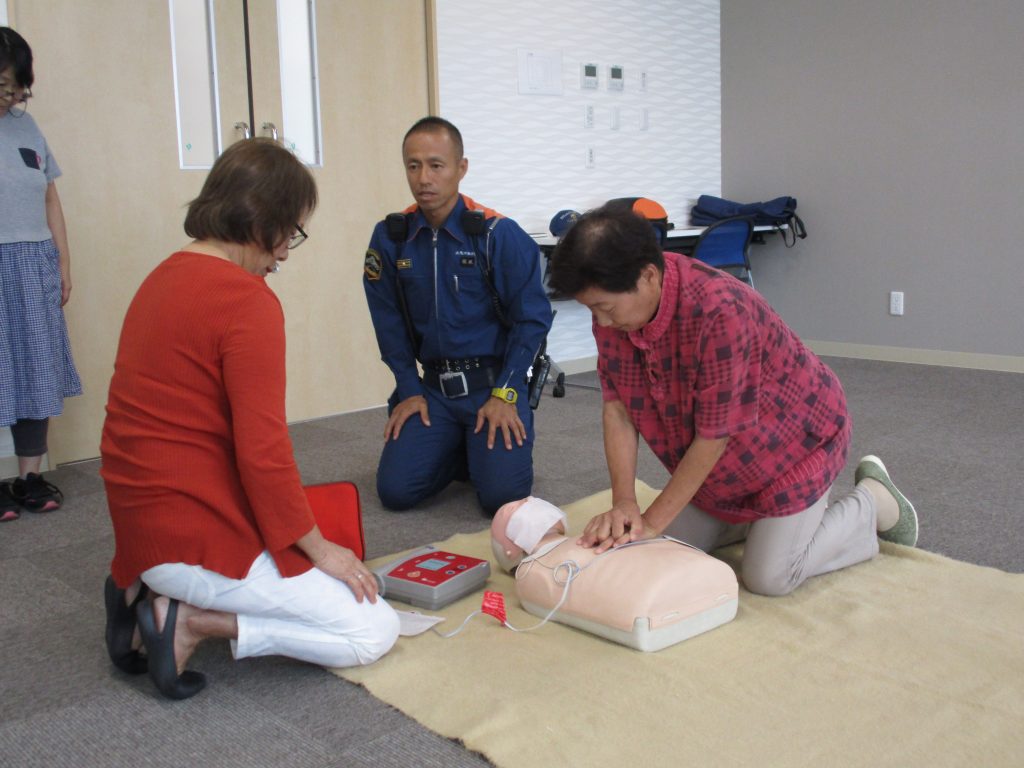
647,594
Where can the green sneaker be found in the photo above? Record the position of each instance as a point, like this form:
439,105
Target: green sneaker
905,530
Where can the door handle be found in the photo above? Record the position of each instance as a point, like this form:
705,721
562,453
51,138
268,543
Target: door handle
272,128
244,127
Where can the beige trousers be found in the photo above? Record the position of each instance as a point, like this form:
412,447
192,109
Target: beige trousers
782,552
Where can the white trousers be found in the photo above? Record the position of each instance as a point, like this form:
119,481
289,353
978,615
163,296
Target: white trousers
312,617
782,552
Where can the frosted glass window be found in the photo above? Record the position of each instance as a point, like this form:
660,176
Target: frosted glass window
300,90
194,60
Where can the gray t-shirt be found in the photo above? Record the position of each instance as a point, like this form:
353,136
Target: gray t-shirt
26,168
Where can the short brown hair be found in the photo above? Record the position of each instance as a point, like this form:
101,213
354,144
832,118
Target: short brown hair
256,192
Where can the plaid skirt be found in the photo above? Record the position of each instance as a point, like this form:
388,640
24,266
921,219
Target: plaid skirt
36,368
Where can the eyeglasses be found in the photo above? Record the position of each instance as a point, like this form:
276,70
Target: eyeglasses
297,239
19,97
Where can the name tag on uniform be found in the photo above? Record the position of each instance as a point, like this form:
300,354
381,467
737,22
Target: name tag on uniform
404,263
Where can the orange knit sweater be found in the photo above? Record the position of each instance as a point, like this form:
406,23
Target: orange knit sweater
197,460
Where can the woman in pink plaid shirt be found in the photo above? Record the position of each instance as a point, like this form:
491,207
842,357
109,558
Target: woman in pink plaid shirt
752,426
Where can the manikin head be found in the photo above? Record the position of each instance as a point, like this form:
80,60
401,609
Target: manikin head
519,527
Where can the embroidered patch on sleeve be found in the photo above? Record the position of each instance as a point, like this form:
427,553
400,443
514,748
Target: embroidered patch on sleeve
372,265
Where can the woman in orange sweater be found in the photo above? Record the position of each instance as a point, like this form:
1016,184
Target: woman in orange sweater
208,510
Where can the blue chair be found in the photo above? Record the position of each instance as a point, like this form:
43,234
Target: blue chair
725,245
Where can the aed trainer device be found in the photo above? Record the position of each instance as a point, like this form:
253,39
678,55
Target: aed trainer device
432,578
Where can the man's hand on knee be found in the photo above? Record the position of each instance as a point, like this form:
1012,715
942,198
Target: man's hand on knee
402,412
498,414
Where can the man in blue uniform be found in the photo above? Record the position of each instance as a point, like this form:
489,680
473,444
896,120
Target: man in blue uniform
457,287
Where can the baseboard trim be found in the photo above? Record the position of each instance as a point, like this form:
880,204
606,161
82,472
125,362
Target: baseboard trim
580,365
1004,363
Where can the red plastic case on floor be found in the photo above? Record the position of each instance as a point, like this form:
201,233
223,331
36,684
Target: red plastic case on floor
338,514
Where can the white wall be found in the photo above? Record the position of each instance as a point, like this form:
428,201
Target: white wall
527,152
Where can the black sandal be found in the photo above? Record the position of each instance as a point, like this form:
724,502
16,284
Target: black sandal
121,629
163,670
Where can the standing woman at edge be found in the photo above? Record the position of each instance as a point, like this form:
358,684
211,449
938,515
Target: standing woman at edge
36,369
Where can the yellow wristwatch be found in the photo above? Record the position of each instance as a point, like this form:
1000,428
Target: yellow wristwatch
507,394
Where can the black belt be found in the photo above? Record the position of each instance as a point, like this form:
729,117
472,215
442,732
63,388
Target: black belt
466,364
457,378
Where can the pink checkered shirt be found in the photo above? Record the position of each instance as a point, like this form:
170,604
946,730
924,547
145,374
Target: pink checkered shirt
717,361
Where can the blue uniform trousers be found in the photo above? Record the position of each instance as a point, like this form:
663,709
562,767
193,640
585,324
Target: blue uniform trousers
424,460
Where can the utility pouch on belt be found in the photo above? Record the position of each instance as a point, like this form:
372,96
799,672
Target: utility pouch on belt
541,369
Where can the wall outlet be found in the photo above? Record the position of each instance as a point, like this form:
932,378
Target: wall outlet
589,161
896,302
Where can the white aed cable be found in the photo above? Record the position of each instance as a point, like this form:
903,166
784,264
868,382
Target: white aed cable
573,569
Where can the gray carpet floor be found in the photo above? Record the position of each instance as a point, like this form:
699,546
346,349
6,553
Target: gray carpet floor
953,440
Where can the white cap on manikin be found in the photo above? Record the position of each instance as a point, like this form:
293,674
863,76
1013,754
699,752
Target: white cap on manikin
519,526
